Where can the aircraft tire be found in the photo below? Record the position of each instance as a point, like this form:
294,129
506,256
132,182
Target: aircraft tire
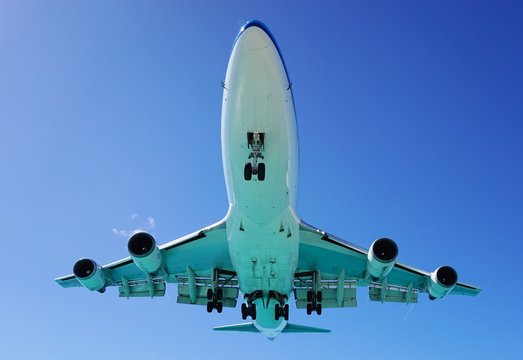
309,296
261,171
210,306
245,311
247,172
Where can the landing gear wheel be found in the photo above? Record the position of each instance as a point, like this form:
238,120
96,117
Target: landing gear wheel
318,309
219,307
245,311
319,296
309,309
248,310
210,306
219,294
277,312
247,172
286,312
309,296
261,171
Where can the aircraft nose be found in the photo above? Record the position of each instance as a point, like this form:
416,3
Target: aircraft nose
254,36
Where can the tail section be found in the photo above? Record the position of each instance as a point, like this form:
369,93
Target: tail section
290,328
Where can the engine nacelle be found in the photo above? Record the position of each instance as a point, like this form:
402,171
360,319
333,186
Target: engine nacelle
89,274
144,252
442,281
381,258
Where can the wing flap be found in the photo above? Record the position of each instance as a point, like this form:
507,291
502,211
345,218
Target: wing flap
229,298
141,288
378,292
330,298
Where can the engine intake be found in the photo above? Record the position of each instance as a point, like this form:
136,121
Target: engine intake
144,252
442,281
381,257
89,274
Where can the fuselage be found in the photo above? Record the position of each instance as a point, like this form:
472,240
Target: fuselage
262,225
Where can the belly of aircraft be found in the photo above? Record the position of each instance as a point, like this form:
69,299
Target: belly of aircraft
262,228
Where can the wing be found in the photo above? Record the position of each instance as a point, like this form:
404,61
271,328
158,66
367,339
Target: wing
197,262
338,267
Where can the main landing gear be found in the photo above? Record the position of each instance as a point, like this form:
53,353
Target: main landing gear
281,311
248,310
215,298
314,302
256,142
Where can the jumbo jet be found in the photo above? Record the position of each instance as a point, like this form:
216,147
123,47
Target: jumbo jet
262,248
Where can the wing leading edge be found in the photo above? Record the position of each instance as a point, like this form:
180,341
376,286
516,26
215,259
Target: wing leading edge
196,261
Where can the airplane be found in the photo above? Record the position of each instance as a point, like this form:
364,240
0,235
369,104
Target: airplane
262,248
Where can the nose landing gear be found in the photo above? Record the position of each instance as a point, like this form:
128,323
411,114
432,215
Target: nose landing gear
256,142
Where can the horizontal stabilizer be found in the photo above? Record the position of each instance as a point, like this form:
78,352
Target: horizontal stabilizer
246,327
290,328
293,328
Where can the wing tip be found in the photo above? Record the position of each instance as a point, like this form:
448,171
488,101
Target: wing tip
67,281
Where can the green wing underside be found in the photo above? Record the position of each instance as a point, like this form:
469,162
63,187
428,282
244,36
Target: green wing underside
339,267
332,256
201,252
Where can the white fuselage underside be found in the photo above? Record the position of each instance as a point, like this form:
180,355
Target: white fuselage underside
262,225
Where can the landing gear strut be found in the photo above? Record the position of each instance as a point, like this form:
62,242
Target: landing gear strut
256,142
314,302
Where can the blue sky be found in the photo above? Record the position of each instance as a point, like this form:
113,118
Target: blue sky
410,123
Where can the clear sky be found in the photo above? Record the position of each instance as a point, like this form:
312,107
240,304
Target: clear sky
410,122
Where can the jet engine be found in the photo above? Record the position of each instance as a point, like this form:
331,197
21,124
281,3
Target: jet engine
442,281
89,274
381,257
144,252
